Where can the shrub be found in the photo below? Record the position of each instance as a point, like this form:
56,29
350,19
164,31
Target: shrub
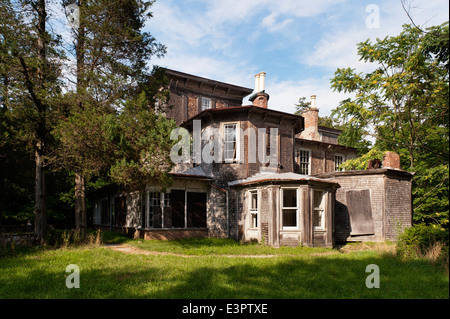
429,241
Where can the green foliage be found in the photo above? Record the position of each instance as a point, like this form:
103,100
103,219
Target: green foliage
416,240
360,163
302,106
404,103
352,135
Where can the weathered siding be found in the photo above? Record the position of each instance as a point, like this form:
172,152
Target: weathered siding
373,183
217,222
390,202
398,206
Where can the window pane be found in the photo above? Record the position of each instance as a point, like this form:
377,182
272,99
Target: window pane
338,160
289,198
254,220
230,142
289,218
303,161
206,103
254,201
317,218
318,200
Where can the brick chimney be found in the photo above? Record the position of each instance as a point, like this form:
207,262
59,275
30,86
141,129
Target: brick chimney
311,117
260,98
391,160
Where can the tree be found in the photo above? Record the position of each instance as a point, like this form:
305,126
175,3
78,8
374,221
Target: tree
353,135
302,106
404,103
30,68
112,53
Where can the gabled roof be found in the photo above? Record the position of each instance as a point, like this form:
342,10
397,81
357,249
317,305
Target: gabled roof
195,172
299,125
350,148
184,77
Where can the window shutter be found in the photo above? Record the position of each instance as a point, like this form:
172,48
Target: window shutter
199,104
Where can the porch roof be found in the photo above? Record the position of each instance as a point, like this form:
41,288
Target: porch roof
260,178
195,172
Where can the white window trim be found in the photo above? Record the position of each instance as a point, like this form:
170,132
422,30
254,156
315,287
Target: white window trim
251,211
309,158
238,141
297,219
343,161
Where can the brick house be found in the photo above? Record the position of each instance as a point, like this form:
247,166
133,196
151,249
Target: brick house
260,174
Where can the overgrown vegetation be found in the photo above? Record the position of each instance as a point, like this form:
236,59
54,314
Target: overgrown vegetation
425,241
403,104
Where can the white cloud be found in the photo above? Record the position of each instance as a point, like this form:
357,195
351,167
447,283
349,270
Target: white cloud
284,94
221,40
270,22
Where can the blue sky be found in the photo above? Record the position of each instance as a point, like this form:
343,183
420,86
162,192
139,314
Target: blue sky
298,43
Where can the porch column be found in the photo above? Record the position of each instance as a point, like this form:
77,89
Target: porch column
307,232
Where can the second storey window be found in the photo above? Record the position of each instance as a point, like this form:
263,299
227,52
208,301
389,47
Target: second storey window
206,103
338,160
230,142
304,161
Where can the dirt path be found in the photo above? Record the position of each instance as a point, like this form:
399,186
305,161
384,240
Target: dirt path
132,250
128,249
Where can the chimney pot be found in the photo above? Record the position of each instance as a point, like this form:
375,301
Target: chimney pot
257,83
262,81
313,101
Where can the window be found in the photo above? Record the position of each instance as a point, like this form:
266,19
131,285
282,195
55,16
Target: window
105,212
154,209
289,209
254,209
230,142
206,103
143,210
319,209
338,160
196,209
303,160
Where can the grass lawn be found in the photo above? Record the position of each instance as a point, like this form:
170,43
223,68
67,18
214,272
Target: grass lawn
216,269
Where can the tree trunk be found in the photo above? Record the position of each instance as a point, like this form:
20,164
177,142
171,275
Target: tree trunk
80,191
80,205
40,212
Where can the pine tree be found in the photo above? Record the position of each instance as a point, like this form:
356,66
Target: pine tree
30,69
112,53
